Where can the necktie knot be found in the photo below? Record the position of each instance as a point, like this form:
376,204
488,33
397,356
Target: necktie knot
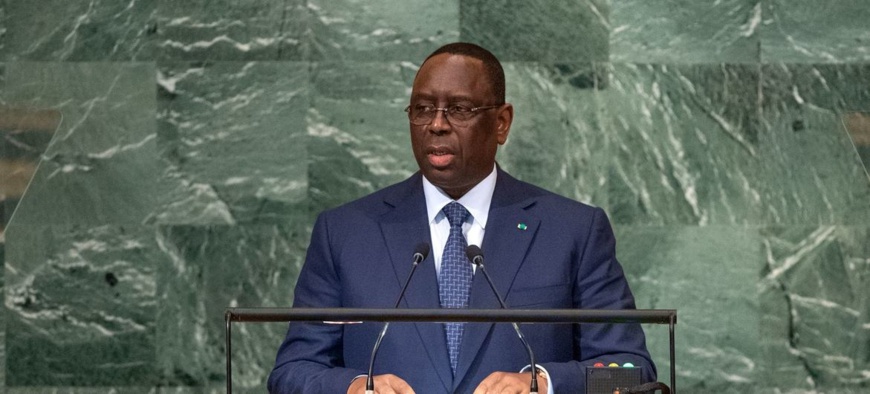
456,213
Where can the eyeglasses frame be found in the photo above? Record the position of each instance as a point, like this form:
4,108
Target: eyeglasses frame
474,111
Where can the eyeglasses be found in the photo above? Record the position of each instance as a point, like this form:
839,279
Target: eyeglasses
457,115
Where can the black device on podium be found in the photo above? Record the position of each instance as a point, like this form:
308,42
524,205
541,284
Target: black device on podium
600,382
603,380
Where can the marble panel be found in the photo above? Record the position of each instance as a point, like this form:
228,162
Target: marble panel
556,140
541,31
683,143
79,30
380,30
3,317
359,137
80,305
232,30
857,124
233,138
207,389
709,275
3,29
813,173
208,269
797,31
82,390
25,133
684,31
3,221
815,300
211,389
100,166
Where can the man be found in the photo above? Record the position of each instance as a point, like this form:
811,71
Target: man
542,250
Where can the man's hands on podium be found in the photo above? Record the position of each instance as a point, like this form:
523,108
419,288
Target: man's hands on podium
495,383
509,382
384,384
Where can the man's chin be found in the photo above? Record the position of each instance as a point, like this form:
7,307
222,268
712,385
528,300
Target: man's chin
439,176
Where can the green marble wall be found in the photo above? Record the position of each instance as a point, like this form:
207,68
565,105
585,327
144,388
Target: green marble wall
179,151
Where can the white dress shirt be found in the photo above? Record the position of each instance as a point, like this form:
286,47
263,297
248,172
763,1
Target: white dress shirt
477,202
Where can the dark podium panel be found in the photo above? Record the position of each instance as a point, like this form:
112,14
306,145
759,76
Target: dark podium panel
353,315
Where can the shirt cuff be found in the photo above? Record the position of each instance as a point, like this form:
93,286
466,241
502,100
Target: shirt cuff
546,373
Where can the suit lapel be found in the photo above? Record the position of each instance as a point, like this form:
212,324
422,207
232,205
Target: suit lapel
404,227
510,230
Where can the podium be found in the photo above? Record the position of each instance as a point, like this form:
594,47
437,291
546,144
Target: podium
353,315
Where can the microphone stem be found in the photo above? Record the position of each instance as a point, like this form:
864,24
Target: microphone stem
370,382
534,383
407,281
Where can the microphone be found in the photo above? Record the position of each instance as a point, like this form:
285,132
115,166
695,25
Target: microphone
421,251
476,256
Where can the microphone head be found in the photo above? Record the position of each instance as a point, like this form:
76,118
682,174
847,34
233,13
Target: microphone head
421,251
474,254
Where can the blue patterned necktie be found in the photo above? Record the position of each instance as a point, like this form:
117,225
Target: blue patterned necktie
454,282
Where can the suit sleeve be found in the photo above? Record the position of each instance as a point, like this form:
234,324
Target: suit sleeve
601,284
310,360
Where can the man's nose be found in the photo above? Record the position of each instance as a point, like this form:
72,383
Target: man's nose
440,124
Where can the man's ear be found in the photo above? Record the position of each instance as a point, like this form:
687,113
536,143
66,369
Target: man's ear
503,122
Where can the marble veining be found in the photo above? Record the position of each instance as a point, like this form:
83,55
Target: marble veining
80,306
688,32
857,125
3,317
3,29
196,140
232,138
357,132
517,30
814,171
719,323
78,30
673,130
555,139
232,30
25,134
790,32
209,268
104,144
378,30
814,293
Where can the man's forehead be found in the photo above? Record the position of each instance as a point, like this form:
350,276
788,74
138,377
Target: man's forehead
444,72
452,98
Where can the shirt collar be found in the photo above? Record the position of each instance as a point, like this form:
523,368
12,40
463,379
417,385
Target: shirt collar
476,201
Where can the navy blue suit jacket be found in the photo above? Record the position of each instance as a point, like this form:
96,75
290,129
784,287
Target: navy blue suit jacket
360,255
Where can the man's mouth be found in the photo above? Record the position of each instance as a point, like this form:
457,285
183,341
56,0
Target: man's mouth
440,157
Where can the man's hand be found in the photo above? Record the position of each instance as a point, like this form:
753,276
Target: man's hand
384,384
507,382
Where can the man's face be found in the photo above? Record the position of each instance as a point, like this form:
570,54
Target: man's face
452,157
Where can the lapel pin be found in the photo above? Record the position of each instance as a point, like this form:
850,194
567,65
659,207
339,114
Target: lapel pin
522,226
